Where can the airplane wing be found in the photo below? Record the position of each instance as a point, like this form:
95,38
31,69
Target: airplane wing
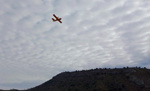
55,16
60,21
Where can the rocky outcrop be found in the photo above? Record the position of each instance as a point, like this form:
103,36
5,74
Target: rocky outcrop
137,81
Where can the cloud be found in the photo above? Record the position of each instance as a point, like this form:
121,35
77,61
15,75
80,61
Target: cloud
96,33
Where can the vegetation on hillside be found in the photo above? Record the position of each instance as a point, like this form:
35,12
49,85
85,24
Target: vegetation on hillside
117,79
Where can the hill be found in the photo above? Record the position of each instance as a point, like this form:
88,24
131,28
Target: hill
117,79
125,79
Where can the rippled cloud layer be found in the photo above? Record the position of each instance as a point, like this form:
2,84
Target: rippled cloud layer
97,33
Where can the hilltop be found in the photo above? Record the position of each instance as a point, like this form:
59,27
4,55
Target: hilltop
117,79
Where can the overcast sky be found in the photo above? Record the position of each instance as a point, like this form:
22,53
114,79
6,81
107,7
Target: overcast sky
94,34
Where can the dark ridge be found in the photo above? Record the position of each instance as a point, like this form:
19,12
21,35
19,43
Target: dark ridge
117,79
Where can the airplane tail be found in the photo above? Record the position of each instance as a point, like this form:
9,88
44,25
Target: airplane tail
53,19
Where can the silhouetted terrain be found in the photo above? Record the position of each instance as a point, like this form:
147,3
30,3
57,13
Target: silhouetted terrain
125,79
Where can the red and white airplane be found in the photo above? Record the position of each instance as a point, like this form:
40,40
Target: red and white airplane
57,18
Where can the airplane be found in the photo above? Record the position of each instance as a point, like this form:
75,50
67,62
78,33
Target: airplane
57,18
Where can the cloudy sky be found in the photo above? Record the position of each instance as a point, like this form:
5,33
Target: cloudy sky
94,33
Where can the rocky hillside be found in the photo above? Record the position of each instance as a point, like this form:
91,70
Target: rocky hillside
117,79
125,79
